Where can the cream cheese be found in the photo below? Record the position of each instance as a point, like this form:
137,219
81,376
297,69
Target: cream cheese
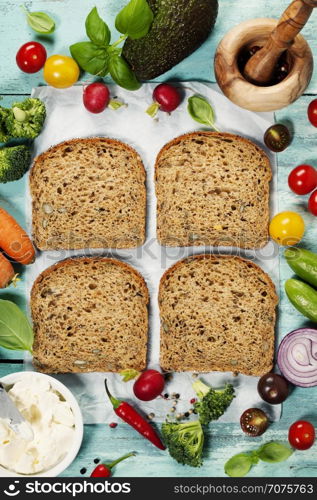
52,422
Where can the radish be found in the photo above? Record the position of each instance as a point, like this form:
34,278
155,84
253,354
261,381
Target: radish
96,97
149,385
166,98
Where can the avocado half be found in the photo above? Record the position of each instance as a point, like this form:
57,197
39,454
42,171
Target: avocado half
178,29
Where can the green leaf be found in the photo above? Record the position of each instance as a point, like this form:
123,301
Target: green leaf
274,452
96,29
90,58
238,465
15,330
40,22
201,111
122,74
129,374
135,19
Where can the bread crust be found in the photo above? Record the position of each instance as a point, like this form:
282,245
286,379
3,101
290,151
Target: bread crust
41,242
255,371
65,363
182,241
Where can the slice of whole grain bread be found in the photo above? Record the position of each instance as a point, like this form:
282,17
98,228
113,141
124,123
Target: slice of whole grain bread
89,314
212,189
88,193
217,314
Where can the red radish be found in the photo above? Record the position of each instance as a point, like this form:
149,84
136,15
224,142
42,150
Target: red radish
96,97
149,385
166,98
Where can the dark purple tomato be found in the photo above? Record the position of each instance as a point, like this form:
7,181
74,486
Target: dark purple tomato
273,388
254,422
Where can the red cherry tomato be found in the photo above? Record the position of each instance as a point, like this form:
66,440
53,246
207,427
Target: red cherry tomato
312,203
303,179
31,57
167,96
312,112
96,97
149,385
301,435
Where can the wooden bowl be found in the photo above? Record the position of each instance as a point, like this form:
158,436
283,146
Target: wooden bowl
250,96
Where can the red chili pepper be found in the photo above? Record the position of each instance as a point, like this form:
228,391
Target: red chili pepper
133,418
104,470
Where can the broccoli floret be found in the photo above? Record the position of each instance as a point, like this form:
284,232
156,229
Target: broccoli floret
25,119
4,136
184,441
14,162
212,403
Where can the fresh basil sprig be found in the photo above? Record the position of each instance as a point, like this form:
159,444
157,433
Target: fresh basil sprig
99,57
15,330
39,21
201,111
272,452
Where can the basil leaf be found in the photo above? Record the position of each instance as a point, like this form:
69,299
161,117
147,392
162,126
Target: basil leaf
40,22
96,29
90,58
274,452
15,330
135,19
238,465
201,111
122,74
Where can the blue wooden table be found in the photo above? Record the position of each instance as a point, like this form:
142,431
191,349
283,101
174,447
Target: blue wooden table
224,440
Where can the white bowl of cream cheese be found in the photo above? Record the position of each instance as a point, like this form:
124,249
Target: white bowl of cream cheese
56,420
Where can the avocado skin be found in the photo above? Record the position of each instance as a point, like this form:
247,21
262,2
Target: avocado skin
178,29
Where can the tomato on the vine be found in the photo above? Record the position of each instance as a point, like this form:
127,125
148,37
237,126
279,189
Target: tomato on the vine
301,435
31,57
312,112
61,71
312,203
287,228
303,179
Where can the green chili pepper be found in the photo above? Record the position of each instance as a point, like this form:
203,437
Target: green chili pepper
303,263
303,297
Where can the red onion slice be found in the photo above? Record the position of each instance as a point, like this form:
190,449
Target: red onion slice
297,357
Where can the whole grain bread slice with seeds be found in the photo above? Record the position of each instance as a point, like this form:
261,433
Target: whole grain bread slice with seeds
88,193
212,189
217,314
89,314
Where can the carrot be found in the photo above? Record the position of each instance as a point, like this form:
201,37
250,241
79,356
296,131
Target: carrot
14,240
6,271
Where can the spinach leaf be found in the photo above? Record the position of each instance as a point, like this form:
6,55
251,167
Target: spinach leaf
96,29
15,330
274,452
135,19
201,111
122,74
90,58
238,465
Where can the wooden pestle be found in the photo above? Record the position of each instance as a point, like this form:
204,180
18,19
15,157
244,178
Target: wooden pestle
260,67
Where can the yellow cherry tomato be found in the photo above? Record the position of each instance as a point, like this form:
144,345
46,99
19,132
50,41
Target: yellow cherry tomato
61,71
287,228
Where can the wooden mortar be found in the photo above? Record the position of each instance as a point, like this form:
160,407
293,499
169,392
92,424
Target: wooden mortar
255,32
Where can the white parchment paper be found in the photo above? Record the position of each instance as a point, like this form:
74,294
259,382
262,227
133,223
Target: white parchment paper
67,118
